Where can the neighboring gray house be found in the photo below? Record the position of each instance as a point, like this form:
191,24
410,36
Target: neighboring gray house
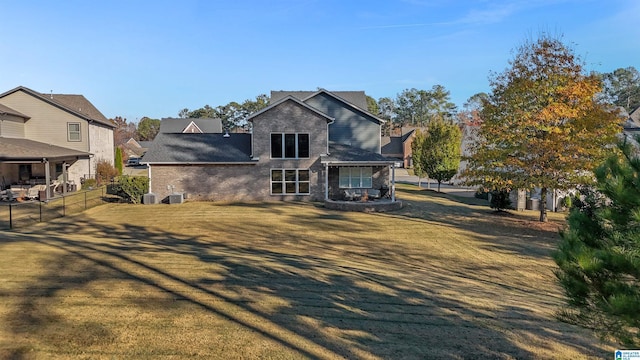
303,146
46,138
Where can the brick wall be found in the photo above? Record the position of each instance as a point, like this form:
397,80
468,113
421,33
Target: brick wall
252,182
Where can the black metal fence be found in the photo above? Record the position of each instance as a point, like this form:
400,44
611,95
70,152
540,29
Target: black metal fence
21,214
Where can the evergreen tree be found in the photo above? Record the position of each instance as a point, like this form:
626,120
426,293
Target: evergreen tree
599,255
118,160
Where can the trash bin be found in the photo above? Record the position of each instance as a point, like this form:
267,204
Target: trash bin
533,204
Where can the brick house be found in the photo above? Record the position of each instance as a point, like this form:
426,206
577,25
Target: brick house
46,138
307,146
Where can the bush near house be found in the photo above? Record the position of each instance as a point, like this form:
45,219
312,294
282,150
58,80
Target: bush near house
105,172
131,188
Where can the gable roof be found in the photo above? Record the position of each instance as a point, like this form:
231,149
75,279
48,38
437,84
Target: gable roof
178,125
192,128
207,148
77,105
357,98
362,110
407,135
17,149
295,100
9,111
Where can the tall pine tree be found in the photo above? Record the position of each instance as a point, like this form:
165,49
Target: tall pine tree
599,256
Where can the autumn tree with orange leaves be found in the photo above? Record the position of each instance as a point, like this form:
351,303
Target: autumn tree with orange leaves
542,124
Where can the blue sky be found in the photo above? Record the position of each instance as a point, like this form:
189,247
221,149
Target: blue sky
138,58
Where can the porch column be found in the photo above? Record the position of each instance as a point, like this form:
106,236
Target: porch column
393,182
326,182
47,178
64,178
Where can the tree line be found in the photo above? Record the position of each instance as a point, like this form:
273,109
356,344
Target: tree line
409,108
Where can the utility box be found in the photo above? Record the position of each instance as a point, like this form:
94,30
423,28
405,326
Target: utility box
176,198
149,198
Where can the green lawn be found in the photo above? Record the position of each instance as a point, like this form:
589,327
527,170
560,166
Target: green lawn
437,279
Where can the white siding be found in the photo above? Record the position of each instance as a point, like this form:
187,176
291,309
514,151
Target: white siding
101,143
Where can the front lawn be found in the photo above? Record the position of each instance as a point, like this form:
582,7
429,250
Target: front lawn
437,279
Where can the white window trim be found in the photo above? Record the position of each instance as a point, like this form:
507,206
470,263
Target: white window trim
69,131
282,137
284,182
351,176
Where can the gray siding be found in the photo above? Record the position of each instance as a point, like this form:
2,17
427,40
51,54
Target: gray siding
351,127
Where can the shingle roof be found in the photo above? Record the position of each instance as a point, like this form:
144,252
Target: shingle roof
145,144
344,154
78,105
357,98
7,110
391,145
177,125
199,148
29,150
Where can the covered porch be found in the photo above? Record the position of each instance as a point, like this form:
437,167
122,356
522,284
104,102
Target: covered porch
34,170
358,180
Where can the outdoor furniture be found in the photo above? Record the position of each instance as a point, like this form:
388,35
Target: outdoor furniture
357,194
36,191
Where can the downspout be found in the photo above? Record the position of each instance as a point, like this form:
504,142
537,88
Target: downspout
149,176
89,145
326,182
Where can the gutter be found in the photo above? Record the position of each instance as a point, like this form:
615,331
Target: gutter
199,163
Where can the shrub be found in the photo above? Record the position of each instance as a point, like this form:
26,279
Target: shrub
131,188
118,160
89,184
482,193
105,172
500,200
566,202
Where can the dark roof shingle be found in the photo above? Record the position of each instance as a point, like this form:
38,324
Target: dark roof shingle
199,148
340,153
14,149
177,125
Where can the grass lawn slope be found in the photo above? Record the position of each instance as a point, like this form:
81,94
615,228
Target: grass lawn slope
438,279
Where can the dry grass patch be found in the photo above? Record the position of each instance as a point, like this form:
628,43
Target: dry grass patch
439,278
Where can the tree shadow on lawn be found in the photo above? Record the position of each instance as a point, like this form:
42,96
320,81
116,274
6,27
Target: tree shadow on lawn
317,305
508,232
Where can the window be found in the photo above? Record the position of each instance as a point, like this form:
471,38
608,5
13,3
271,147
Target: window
289,146
290,181
73,131
356,177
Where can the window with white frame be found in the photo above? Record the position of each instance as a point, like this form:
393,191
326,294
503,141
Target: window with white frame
73,132
290,181
356,177
289,146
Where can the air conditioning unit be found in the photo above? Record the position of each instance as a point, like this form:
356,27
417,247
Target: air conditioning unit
176,198
149,198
